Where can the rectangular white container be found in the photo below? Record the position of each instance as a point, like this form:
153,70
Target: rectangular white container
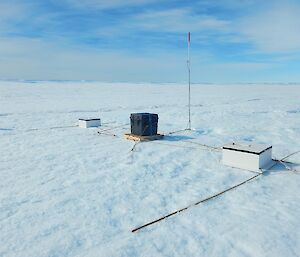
88,123
247,156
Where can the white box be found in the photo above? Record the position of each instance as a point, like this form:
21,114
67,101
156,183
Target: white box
247,156
88,123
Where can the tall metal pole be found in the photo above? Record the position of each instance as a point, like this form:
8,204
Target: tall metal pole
189,71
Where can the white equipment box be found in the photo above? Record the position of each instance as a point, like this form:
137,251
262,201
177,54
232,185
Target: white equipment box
88,123
247,156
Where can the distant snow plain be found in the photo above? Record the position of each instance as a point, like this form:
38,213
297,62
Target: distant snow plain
66,191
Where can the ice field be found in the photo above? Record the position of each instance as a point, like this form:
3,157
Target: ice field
67,191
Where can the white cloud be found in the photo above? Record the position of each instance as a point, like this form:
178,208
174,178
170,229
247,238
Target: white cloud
9,11
177,20
37,59
104,4
276,29
12,13
271,30
229,4
23,58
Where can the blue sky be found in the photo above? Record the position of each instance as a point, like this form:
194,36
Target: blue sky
146,40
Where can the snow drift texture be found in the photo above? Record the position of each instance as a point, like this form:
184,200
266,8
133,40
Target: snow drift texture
71,192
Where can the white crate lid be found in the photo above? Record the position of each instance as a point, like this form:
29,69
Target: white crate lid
247,147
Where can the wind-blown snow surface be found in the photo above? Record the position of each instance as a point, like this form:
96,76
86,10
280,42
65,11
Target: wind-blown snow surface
71,192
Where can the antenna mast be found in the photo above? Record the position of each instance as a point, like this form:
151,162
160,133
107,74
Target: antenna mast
189,71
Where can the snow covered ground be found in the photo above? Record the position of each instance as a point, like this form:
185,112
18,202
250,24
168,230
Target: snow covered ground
71,192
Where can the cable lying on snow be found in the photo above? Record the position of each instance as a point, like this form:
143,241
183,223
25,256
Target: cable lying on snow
213,196
194,204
